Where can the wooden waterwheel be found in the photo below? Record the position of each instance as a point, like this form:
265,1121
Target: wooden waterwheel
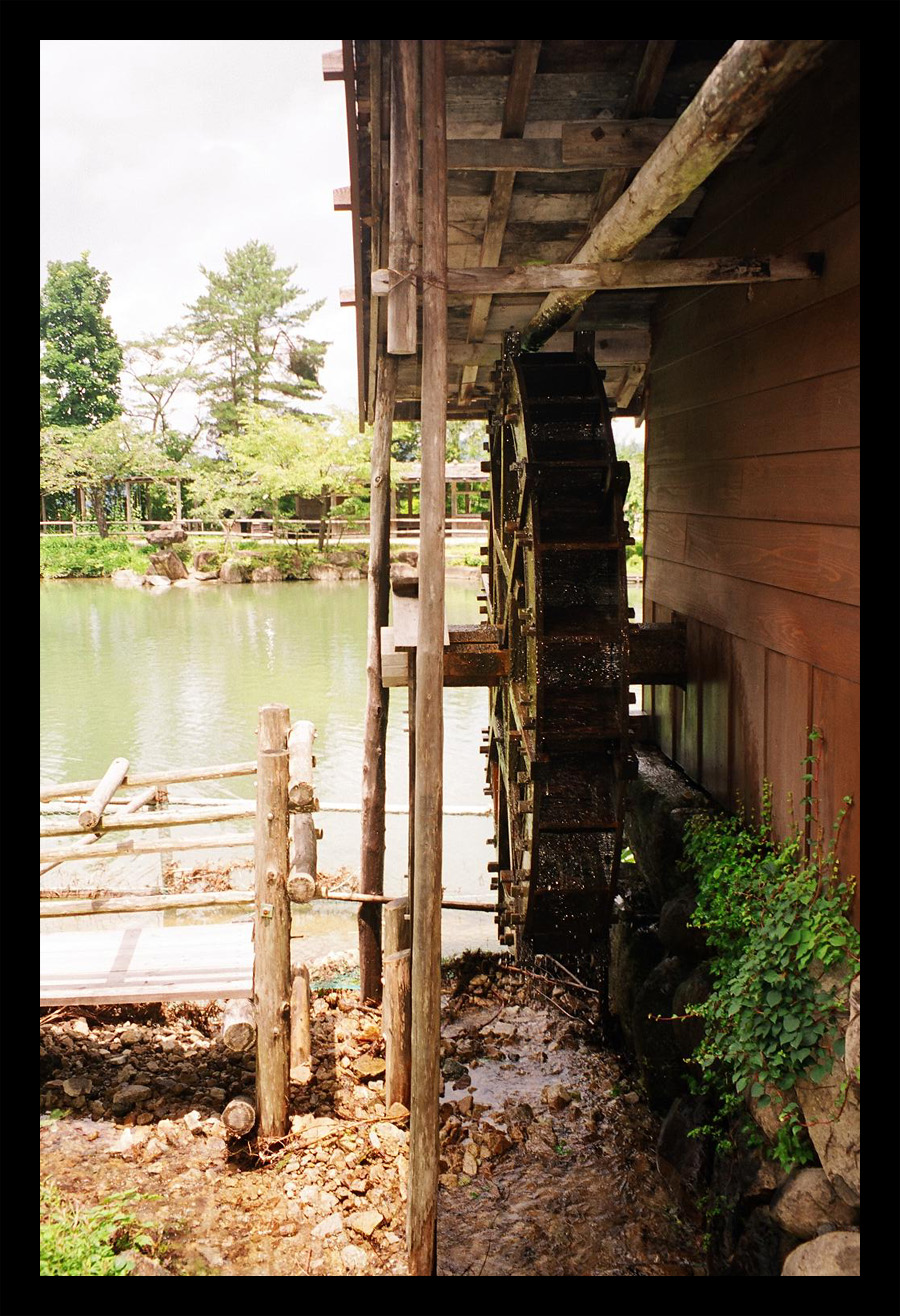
559,744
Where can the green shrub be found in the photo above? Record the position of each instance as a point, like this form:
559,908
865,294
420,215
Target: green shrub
77,1242
774,915
65,557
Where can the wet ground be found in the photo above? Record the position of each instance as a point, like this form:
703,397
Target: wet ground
548,1164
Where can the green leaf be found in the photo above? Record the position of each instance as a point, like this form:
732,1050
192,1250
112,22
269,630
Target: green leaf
791,1023
757,1090
773,997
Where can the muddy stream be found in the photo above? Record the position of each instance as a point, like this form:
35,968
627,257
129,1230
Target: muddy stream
547,1149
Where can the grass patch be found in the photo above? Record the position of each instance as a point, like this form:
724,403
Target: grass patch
89,1242
63,557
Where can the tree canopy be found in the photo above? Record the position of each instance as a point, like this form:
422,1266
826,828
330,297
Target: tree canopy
252,326
81,360
94,458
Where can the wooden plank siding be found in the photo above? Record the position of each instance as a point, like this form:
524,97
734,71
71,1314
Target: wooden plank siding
752,473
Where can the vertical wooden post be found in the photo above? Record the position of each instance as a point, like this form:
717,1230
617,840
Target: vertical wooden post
304,859
371,868
128,503
301,1033
404,195
426,956
272,931
396,1017
178,501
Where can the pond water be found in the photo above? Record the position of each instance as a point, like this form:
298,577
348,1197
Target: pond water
175,679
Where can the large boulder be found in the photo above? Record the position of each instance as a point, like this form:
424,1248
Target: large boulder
167,534
832,1116
851,1039
660,801
634,953
167,564
834,1253
806,1203
266,575
324,571
234,572
205,559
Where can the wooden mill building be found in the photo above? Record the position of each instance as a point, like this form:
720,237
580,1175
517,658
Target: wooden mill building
689,210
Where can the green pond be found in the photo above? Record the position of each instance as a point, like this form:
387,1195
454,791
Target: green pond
175,679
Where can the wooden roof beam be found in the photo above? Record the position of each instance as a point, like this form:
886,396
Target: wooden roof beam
690,272
733,100
515,112
333,66
641,100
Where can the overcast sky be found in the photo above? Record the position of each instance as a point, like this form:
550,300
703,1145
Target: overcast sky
158,156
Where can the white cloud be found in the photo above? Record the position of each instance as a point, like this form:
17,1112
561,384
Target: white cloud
158,156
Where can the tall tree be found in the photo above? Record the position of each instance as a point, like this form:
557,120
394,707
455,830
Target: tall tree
81,359
250,322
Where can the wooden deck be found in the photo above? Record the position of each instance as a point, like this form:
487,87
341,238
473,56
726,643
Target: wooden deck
147,964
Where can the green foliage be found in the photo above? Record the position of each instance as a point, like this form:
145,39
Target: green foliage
156,370
76,1242
80,360
774,915
90,556
249,325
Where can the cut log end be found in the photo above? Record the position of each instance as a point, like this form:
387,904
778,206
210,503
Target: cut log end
239,1116
239,1025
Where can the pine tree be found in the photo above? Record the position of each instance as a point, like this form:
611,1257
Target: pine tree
252,328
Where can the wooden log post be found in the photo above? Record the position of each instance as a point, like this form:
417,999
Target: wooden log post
102,793
272,930
733,100
301,1030
396,1013
239,1025
304,848
239,1116
404,194
426,933
371,868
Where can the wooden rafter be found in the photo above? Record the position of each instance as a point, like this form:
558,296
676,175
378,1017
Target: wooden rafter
687,273
733,100
518,94
641,100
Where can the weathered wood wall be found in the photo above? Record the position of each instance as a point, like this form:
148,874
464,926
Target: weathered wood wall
752,477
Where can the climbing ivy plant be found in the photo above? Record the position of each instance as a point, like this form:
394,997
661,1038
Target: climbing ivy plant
775,917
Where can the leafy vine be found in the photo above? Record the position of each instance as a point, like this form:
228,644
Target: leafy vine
775,917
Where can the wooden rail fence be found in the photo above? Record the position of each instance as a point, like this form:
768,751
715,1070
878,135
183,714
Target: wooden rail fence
247,964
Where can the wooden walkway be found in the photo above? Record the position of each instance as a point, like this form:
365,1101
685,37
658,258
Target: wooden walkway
147,964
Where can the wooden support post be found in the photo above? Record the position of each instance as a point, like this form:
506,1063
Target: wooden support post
404,193
304,849
272,931
735,97
371,868
239,1025
178,501
301,1032
103,792
426,955
128,503
396,1016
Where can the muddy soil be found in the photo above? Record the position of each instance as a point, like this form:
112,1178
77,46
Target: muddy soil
548,1163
